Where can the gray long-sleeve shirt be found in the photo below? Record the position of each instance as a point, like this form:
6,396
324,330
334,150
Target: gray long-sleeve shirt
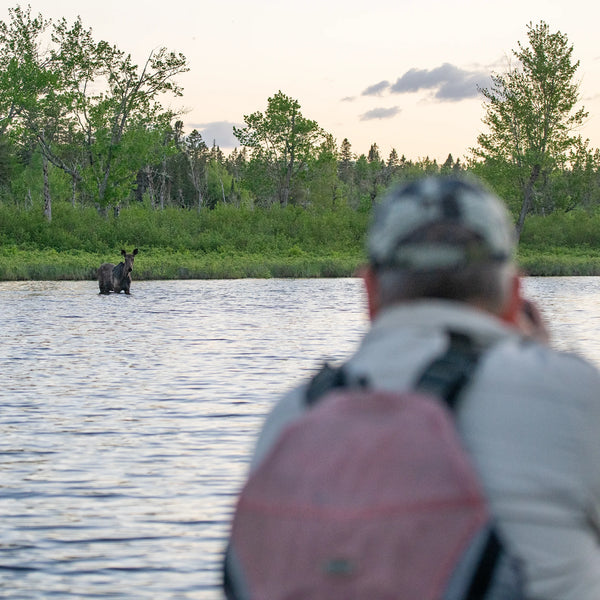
531,420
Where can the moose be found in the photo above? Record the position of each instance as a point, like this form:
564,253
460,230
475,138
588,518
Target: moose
116,278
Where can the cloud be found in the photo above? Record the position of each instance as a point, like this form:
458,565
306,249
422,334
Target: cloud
380,113
220,132
376,89
449,82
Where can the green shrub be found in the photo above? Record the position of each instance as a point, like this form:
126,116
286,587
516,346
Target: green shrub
234,241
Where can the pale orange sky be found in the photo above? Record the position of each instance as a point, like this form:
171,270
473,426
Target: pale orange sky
358,68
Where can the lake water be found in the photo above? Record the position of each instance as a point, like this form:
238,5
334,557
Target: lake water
126,421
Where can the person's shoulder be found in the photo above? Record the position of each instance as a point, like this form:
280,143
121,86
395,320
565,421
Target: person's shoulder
285,411
289,406
536,359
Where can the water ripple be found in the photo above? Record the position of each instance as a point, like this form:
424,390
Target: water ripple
126,422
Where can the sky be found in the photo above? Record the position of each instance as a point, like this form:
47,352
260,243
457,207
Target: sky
399,73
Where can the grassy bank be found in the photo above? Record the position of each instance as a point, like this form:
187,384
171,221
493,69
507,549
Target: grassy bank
150,264
159,264
227,242
231,242
559,261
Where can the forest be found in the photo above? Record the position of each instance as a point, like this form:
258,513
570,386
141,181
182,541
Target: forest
90,161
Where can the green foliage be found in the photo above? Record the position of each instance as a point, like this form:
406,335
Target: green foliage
47,265
282,139
226,230
574,229
530,113
289,202
91,112
244,242
559,262
22,76
322,179
226,242
217,181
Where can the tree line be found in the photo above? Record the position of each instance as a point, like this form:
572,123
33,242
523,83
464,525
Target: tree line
79,121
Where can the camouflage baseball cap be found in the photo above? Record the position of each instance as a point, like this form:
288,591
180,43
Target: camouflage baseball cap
441,202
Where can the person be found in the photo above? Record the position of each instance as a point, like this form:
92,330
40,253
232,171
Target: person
441,258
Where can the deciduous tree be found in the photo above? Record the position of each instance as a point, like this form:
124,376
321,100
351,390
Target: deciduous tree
281,138
92,112
127,108
530,112
23,76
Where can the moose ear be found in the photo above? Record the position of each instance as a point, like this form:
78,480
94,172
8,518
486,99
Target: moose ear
135,252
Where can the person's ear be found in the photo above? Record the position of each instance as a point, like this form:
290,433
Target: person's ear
372,288
514,301
524,314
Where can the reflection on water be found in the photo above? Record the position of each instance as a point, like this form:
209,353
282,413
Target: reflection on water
126,421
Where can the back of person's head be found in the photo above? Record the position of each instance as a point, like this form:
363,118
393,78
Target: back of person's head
442,237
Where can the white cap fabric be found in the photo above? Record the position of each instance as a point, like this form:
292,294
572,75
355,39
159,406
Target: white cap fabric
437,201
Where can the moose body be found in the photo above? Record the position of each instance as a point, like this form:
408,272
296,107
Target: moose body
116,278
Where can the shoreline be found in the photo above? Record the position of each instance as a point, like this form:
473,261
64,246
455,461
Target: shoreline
151,264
